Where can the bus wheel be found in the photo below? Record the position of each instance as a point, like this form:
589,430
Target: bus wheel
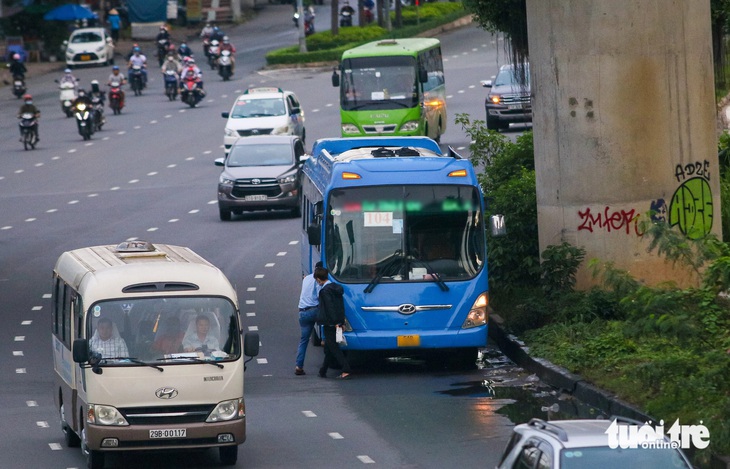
70,437
228,455
438,133
94,459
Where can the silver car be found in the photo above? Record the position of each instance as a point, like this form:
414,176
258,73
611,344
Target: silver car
580,444
261,173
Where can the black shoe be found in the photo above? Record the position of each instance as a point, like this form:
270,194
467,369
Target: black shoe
322,374
299,371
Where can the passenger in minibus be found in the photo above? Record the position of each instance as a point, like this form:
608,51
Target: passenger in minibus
169,337
107,341
200,336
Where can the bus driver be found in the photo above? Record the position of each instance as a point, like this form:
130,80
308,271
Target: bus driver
106,340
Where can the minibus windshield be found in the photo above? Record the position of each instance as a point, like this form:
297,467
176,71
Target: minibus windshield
167,330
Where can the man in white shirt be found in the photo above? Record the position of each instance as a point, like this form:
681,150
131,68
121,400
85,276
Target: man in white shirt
107,341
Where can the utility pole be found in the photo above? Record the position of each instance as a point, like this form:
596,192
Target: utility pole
302,38
388,24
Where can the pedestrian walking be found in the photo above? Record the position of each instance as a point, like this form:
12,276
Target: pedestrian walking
308,312
331,316
114,23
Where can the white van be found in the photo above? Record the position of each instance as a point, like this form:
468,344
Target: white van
263,111
147,351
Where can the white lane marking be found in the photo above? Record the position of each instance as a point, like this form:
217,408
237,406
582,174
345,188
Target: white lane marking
136,127
460,91
262,361
72,202
293,242
7,227
133,181
309,413
152,173
328,105
45,295
93,195
210,101
38,308
253,328
154,228
73,150
173,220
105,138
18,353
121,132
18,171
281,253
270,264
181,110
115,188
27,322
224,96
250,302
171,165
42,424
88,144
153,122
251,289
37,165
193,211
56,158
471,86
211,202
250,315
20,371
30,219
167,116
259,276
207,152
365,459
19,338
31,403
315,110
190,158
55,446
449,96
336,436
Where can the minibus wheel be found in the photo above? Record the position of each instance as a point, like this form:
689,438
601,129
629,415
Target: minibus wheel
94,459
70,437
228,455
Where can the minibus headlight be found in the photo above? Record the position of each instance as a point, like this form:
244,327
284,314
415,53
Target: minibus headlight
105,415
230,132
227,410
283,130
350,129
409,126
478,314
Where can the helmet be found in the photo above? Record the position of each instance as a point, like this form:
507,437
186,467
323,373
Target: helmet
225,39
216,28
27,96
191,61
183,44
68,70
136,49
187,59
94,82
116,67
162,28
16,56
81,93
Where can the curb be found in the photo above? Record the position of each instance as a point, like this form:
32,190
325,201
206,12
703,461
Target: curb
573,384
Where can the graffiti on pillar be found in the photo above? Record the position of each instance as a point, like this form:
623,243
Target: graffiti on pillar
697,169
658,209
691,207
609,220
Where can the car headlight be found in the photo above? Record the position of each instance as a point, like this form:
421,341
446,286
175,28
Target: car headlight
225,180
495,99
227,410
283,130
104,415
409,126
350,129
478,314
230,132
100,48
287,179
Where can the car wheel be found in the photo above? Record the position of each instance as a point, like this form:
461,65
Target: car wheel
228,455
492,123
224,214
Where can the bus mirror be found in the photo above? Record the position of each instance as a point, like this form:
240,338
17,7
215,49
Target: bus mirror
251,344
81,350
313,234
423,76
335,78
498,228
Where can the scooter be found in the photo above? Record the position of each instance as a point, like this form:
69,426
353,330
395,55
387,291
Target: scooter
214,52
345,18
27,129
171,84
18,85
191,94
68,95
136,79
84,120
225,65
97,110
162,47
116,97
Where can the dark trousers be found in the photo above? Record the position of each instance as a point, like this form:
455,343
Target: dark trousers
332,352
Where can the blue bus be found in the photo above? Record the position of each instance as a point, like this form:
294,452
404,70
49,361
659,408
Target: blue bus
400,226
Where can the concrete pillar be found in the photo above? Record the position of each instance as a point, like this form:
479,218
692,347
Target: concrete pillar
624,122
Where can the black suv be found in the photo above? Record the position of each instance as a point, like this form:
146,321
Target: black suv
509,98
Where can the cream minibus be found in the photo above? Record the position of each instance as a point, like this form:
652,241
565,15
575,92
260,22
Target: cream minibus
147,351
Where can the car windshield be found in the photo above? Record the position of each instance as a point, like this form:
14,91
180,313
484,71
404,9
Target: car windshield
511,77
163,330
85,37
606,458
260,155
247,107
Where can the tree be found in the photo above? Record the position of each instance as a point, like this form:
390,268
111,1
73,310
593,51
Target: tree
508,17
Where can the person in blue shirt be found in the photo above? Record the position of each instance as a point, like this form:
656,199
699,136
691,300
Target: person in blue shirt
308,311
115,23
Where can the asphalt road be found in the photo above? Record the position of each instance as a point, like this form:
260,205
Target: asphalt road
150,175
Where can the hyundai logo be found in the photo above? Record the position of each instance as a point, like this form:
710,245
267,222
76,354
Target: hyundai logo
407,309
166,393
256,181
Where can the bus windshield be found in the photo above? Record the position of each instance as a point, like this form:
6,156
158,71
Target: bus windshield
379,83
163,329
405,233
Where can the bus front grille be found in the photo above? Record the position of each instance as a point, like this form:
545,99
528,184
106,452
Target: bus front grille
167,415
378,129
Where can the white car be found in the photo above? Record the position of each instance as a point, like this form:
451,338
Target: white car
89,46
263,111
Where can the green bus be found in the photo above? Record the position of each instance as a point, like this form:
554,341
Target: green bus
393,87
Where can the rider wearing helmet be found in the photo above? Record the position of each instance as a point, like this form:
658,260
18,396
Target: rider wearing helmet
217,34
117,77
29,107
171,63
82,97
230,48
184,50
138,58
68,77
97,92
17,67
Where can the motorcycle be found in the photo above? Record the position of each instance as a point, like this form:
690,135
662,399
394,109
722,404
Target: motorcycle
214,51
116,102
136,80
18,85
308,23
68,94
84,120
27,129
295,19
206,45
162,47
225,65
345,18
97,110
171,84
191,94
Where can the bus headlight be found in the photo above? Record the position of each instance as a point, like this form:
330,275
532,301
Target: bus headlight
478,314
104,415
350,129
227,410
409,126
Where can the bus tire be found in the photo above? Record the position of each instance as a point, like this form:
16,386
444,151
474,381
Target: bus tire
70,437
228,455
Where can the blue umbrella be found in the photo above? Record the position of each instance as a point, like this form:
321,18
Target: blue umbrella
69,12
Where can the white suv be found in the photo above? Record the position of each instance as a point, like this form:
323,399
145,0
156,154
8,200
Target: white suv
263,111
574,444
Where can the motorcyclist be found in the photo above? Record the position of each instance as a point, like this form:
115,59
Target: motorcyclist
117,77
135,46
68,77
184,50
138,58
17,67
346,8
29,107
97,92
226,45
171,63
309,20
192,71
163,34
82,97
217,34
207,31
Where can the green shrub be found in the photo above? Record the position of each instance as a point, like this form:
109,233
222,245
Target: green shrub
326,40
559,265
428,12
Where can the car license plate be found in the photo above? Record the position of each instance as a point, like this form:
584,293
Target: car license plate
85,57
255,197
168,433
514,106
409,340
